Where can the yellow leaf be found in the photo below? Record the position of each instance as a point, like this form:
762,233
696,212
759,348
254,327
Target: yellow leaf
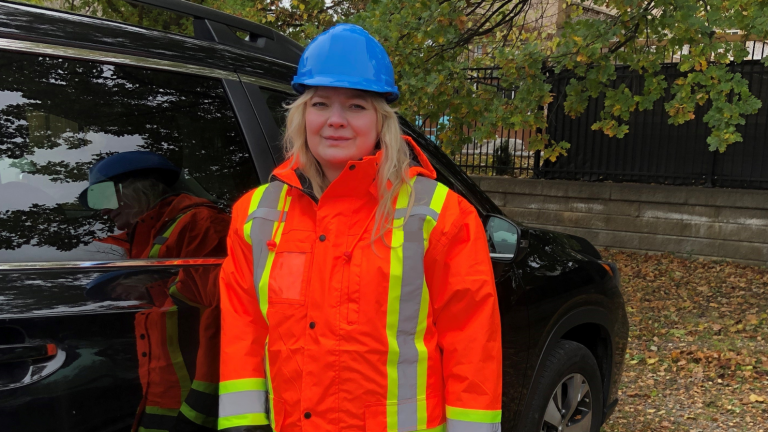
651,360
756,398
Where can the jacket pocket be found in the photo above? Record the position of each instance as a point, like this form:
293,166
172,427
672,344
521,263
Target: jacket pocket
277,407
289,273
351,281
407,414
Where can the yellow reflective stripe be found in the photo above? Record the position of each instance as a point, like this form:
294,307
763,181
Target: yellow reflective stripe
473,415
438,199
161,411
243,420
255,198
393,306
421,367
174,292
264,282
172,341
245,384
206,387
269,383
155,251
201,419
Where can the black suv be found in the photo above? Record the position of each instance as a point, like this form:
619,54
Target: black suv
75,89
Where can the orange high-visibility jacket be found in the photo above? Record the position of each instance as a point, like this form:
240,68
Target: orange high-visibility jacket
323,332
178,339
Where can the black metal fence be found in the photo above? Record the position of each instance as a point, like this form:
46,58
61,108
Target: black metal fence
652,152
506,155
656,152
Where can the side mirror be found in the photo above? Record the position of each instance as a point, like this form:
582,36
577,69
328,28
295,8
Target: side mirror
505,239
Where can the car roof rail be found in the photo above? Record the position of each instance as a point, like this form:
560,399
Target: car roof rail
216,26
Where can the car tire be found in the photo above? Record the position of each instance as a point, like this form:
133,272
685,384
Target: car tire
568,394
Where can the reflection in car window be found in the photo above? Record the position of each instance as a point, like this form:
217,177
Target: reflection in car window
502,236
277,101
58,117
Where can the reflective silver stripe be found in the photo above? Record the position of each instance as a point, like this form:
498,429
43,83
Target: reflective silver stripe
261,232
410,303
425,210
266,213
466,426
160,240
243,402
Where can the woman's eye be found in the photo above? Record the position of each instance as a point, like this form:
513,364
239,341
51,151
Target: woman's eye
319,104
357,107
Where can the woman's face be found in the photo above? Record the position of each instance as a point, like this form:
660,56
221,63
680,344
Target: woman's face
134,199
341,127
125,213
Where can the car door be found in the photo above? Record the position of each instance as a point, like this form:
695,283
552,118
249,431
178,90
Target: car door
99,321
504,244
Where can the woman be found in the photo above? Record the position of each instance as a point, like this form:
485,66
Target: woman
177,336
358,294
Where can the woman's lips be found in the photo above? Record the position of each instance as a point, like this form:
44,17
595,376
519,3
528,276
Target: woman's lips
337,139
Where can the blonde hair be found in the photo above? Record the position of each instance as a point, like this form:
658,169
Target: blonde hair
395,158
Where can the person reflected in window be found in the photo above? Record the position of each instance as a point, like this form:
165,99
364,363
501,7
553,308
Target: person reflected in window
178,336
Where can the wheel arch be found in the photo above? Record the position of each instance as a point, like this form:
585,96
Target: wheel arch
589,326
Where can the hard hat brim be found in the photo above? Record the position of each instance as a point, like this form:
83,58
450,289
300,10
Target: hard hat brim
390,94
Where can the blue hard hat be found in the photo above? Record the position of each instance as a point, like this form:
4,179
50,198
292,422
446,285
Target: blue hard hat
346,56
130,164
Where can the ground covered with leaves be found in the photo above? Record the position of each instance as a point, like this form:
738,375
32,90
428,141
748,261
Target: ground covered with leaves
698,345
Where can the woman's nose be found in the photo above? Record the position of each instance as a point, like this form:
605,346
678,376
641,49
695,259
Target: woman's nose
337,118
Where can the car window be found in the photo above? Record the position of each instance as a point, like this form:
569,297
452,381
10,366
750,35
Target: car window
88,149
277,102
502,236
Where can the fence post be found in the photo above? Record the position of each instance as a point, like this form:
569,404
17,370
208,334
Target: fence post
536,163
710,175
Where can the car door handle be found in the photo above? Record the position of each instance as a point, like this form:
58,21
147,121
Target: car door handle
12,353
24,364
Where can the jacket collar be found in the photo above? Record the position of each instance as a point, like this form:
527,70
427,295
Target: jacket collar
364,171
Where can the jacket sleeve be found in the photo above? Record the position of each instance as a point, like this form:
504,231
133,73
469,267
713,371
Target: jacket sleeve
466,315
243,389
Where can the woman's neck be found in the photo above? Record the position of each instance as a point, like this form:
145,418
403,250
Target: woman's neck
332,173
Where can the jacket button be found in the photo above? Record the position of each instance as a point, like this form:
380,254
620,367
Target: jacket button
143,354
307,415
143,336
312,325
352,167
322,237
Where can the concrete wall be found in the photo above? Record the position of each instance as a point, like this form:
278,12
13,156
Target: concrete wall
702,222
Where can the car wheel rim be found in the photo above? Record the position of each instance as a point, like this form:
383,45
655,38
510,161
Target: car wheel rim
570,407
